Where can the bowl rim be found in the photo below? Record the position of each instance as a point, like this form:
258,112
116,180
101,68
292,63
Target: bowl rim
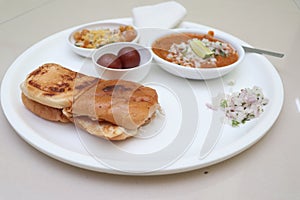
70,39
233,41
123,44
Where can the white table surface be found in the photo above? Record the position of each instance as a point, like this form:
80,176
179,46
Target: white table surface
267,170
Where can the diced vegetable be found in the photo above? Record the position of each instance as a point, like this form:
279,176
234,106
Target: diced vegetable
240,107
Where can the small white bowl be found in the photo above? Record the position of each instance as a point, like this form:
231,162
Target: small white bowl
86,52
135,74
200,73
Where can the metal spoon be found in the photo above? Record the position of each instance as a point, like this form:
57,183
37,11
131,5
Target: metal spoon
260,51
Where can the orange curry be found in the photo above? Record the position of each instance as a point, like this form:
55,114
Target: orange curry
175,48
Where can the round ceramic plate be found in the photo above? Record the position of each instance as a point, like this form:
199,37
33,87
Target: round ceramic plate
171,143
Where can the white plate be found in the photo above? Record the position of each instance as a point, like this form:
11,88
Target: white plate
172,146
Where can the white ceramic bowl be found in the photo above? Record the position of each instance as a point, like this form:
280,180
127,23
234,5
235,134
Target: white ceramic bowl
135,74
200,73
86,52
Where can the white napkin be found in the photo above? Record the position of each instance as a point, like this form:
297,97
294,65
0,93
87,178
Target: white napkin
162,15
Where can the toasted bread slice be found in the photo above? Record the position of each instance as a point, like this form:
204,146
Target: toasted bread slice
120,102
45,112
103,129
112,109
54,85
97,128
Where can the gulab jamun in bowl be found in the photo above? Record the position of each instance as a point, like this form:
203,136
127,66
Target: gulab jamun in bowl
123,60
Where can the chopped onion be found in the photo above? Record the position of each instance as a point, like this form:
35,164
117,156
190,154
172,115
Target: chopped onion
240,107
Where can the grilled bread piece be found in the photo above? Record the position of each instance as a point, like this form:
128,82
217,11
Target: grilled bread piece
103,129
55,86
43,111
104,108
119,102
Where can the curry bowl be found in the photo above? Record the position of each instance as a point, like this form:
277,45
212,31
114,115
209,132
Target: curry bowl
197,54
85,39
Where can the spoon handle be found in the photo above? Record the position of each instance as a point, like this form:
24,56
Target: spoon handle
260,51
